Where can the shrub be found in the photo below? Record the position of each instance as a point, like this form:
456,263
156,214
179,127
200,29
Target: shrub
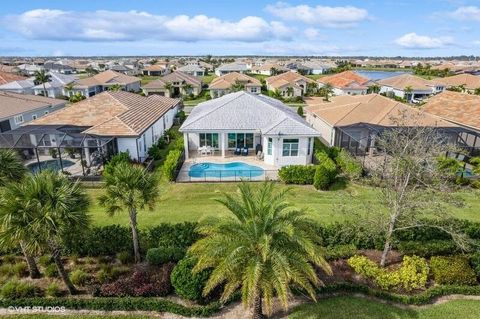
181,116
475,262
53,290
162,255
9,259
170,165
413,273
122,157
452,270
45,260
340,251
155,152
6,270
109,273
180,235
350,167
300,111
15,289
20,269
325,172
79,277
125,257
428,248
297,174
187,284
51,271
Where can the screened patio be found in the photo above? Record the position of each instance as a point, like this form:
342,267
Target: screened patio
60,147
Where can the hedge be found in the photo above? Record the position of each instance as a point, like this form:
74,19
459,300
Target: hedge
170,165
325,173
297,174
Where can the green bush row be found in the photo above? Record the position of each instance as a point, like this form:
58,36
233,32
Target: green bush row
297,174
454,270
326,171
170,165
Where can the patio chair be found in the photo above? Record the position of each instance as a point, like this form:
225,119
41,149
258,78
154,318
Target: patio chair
245,151
203,151
208,150
238,151
260,155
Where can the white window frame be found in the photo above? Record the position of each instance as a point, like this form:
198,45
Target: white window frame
34,116
18,119
270,146
290,147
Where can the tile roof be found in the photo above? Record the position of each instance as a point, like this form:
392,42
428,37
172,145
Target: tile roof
15,103
345,80
112,113
6,77
235,66
371,109
470,81
402,81
278,81
176,76
460,108
108,77
191,68
226,81
245,111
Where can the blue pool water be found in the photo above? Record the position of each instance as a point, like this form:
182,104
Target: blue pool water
235,169
379,75
50,164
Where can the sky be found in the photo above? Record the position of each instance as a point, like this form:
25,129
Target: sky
248,27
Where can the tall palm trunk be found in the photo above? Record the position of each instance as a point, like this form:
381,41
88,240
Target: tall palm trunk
61,270
257,307
45,90
133,224
32,265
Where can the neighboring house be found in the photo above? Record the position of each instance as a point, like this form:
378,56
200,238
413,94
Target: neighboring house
468,81
58,68
231,67
17,109
460,109
6,77
245,120
346,83
354,122
317,67
19,86
269,69
288,84
223,84
298,67
56,86
192,69
122,69
103,81
133,123
29,69
156,70
410,87
180,84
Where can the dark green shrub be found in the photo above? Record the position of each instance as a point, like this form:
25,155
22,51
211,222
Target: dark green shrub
452,270
297,174
162,255
181,116
325,173
180,235
122,157
475,262
340,251
170,165
125,257
428,248
349,166
79,277
15,289
45,260
300,111
155,152
9,259
187,284
51,271
53,290
20,269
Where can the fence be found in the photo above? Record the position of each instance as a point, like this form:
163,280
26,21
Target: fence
185,176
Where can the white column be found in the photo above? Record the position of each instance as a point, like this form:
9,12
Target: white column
185,144
224,141
87,153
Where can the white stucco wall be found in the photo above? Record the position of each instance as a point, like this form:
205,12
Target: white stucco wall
326,130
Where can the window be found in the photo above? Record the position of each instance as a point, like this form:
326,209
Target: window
269,146
240,140
34,116
290,147
232,140
253,90
309,145
18,119
46,112
209,139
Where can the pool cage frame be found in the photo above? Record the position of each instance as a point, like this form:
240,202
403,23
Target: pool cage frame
37,139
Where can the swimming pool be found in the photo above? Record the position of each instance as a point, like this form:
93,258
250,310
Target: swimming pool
234,169
50,164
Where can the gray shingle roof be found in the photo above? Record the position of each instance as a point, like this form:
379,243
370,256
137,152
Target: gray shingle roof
246,111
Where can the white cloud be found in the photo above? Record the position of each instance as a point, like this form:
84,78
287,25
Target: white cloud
470,13
415,41
46,24
334,17
311,33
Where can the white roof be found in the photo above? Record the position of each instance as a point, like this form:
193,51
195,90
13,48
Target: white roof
191,68
247,111
236,66
18,85
57,80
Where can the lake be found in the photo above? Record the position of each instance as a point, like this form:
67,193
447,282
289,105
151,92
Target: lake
379,75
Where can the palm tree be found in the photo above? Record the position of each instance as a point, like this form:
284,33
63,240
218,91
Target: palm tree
265,247
115,88
290,91
11,167
408,90
69,88
130,187
187,87
374,88
42,77
477,91
327,90
237,86
169,87
39,210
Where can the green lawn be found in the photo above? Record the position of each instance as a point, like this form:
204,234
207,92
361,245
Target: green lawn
190,202
359,308
147,79
208,78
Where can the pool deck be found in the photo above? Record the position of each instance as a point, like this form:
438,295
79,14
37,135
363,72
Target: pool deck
270,171
74,170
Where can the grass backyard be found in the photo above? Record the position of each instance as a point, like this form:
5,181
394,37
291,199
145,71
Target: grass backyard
190,202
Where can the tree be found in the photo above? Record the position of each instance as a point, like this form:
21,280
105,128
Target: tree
374,88
237,86
69,88
477,91
300,111
130,188
273,71
169,87
77,97
312,88
413,186
115,88
39,210
90,71
290,91
42,77
327,90
408,90
263,248
187,88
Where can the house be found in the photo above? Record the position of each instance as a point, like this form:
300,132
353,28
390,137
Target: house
192,69
129,122
6,77
410,87
231,67
58,68
19,86
298,67
346,83
460,109
288,84
174,85
317,67
246,120
56,86
105,80
17,109
156,70
29,69
468,81
122,69
354,122
269,69
223,84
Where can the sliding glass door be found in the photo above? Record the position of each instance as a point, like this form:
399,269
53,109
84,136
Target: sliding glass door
240,140
209,139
